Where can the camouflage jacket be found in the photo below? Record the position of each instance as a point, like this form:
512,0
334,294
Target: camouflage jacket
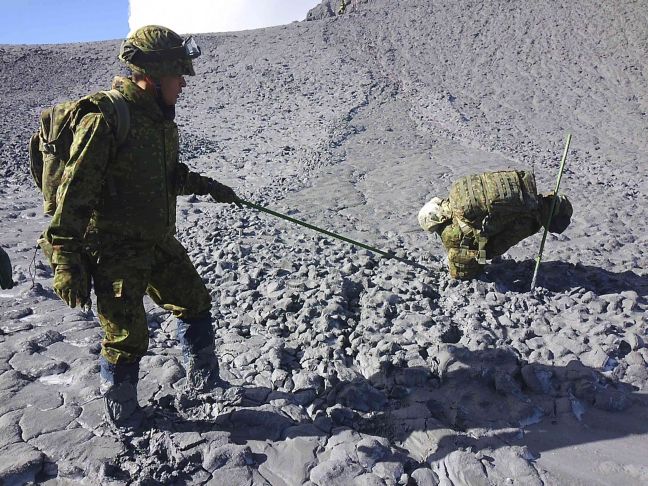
127,191
453,236
465,261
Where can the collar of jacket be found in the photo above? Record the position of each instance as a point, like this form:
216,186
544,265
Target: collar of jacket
138,97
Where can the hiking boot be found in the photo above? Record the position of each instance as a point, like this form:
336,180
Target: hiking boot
196,338
118,388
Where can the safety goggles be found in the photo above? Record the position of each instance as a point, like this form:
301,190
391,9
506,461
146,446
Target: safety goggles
187,50
192,50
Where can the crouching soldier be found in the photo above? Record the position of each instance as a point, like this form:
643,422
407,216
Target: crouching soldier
114,222
486,214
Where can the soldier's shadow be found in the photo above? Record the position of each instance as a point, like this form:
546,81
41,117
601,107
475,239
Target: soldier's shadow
560,276
544,407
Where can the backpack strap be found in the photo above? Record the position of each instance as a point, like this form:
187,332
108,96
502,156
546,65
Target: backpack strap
122,113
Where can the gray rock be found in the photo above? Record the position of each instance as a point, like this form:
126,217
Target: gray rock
289,462
537,378
83,451
15,327
345,452
260,423
42,340
637,373
634,340
514,463
228,455
360,395
371,450
19,463
234,476
425,477
91,416
187,440
464,468
18,313
67,353
10,432
595,358
35,422
390,471
324,10
305,380
36,365
368,479
37,395
335,473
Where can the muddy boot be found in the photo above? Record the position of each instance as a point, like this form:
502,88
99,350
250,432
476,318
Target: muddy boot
118,387
196,338
204,394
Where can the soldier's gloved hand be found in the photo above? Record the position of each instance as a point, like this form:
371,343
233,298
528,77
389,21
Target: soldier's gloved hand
223,194
70,278
6,282
71,284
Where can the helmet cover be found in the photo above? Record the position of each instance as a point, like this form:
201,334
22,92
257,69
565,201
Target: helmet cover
158,51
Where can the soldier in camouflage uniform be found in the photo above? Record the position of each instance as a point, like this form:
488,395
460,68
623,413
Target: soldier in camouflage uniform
114,224
486,214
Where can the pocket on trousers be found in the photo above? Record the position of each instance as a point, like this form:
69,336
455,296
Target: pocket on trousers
118,288
113,289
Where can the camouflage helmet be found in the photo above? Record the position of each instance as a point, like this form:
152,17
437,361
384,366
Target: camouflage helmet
435,213
561,216
158,51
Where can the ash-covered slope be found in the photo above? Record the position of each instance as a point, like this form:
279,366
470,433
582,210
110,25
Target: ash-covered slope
356,368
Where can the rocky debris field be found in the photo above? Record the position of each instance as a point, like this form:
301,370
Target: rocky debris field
356,369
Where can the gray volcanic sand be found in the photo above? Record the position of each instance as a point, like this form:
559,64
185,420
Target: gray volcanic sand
357,369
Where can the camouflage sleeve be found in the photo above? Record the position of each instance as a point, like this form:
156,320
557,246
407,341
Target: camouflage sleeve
188,182
453,237
81,184
500,243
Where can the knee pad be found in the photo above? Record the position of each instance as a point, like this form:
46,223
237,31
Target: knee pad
464,264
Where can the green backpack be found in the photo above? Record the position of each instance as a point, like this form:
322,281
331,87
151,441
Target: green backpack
49,148
488,202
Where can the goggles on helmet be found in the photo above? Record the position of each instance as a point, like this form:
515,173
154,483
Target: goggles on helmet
187,50
192,50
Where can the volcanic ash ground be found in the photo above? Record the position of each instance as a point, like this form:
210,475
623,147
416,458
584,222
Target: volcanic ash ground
356,369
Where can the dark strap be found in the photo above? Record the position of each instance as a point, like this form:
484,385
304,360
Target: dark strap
123,115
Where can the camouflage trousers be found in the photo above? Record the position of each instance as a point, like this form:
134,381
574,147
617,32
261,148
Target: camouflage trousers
123,272
463,252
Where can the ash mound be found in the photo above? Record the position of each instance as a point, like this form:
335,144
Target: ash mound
356,369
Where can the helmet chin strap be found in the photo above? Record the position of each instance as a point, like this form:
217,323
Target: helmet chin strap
154,87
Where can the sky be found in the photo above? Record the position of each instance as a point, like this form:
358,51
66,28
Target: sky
63,21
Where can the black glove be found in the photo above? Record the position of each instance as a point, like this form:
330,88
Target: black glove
223,194
6,282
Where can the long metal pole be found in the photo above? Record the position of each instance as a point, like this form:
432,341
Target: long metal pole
553,207
332,235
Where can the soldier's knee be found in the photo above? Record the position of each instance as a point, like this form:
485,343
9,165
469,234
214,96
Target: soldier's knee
203,303
463,264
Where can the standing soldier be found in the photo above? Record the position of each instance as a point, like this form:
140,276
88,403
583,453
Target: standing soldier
486,214
114,223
